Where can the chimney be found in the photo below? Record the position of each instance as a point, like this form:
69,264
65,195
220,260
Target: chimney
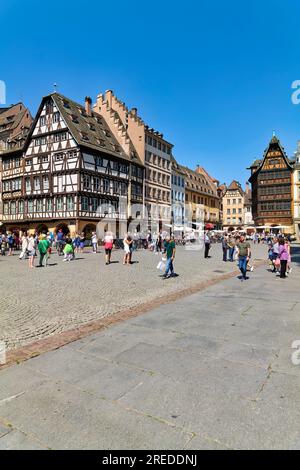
108,96
88,105
247,187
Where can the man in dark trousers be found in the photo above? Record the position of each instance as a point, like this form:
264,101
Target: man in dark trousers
206,244
225,247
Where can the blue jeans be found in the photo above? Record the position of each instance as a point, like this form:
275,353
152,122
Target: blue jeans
169,266
231,253
243,265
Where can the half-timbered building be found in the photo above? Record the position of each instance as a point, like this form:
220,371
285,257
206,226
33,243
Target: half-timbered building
271,180
73,173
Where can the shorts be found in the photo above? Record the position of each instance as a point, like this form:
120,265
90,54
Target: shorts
31,253
108,251
81,245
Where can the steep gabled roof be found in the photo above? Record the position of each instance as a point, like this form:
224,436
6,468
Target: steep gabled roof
89,131
234,186
258,164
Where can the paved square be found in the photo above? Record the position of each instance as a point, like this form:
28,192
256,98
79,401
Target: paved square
209,371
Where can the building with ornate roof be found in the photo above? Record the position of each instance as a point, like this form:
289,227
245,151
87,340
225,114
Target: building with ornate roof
272,181
15,122
201,197
72,173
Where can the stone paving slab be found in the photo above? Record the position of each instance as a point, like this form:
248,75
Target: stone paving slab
18,440
66,417
89,373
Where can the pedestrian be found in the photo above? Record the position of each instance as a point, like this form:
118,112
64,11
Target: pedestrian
60,241
24,246
68,250
207,243
170,249
10,243
289,267
283,256
243,251
76,243
82,241
225,247
31,247
43,247
231,246
108,246
158,242
94,242
128,241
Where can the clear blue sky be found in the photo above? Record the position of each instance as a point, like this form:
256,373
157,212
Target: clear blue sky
214,76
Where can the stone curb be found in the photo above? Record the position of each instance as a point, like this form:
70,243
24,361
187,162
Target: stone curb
51,343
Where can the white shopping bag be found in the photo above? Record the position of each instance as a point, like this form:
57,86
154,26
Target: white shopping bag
161,266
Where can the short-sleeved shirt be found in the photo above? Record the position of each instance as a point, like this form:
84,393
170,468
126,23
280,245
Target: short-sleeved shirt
169,248
243,248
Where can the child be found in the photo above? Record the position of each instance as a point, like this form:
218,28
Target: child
68,250
94,242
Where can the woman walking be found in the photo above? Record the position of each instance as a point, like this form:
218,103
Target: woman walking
108,246
128,249
31,247
283,256
24,242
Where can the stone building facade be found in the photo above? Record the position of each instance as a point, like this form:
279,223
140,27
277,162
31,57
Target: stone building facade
71,173
153,150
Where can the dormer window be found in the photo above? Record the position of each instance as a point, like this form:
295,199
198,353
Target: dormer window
82,112
107,133
92,127
66,104
75,118
84,136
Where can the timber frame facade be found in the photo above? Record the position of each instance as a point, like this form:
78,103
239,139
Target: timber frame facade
271,180
71,173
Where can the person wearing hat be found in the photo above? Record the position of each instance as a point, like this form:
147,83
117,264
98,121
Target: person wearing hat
43,247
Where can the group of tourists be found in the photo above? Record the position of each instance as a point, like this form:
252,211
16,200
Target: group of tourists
279,252
235,248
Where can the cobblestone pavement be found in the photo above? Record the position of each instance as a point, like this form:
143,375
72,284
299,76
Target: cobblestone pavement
213,370
44,301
